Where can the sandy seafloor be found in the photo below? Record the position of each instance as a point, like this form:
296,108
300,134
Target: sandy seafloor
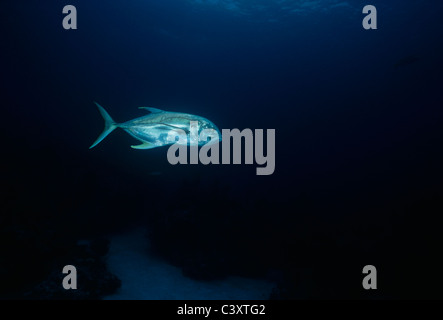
146,277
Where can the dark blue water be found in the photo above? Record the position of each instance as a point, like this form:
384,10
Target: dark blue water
357,115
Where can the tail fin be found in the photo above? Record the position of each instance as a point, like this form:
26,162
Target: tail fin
110,125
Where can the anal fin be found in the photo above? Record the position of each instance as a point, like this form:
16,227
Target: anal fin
144,145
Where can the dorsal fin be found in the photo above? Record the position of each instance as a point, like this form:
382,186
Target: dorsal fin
152,110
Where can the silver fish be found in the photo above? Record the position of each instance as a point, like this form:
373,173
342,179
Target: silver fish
157,128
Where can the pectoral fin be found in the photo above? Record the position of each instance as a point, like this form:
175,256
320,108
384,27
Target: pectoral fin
144,145
175,127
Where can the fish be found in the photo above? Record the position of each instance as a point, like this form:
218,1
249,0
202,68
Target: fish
160,128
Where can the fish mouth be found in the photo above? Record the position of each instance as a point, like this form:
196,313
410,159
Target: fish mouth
211,136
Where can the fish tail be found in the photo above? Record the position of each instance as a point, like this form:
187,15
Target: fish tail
110,125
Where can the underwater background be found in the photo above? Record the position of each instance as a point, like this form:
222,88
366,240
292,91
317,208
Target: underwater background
358,175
